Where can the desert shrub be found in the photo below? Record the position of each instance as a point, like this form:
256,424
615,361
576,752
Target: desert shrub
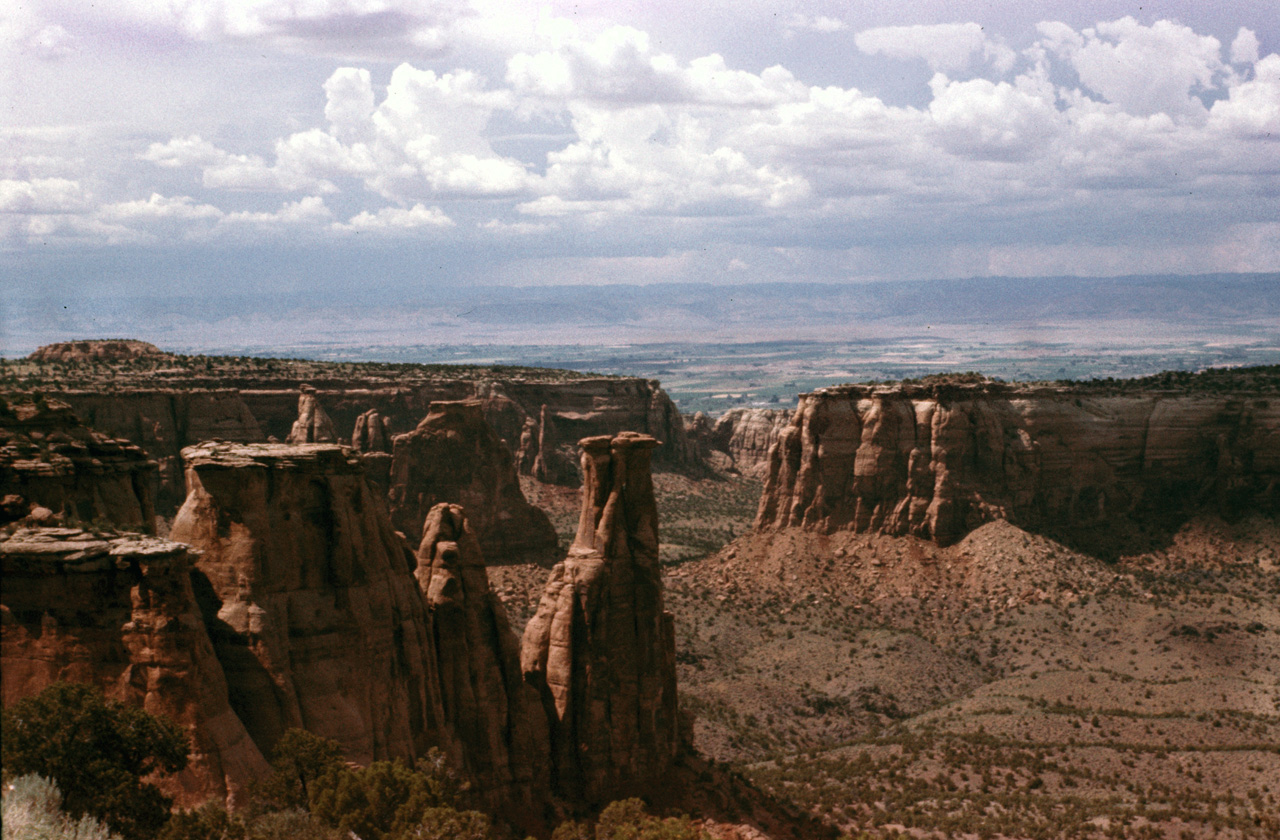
97,752
626,819
32,810
386,799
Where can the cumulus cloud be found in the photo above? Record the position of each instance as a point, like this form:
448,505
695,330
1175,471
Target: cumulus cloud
42,195
1244,49
1143,69
396,220
945,47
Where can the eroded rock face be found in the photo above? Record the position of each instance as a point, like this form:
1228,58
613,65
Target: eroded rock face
497,719
454,456
312,425
309,597
119,612
601,647
740,439
50,460
938,463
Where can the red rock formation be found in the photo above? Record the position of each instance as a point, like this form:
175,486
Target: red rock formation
163,422
938,462
740,439
601,647
312,425
49,459
453,456
500,731
372,433
119,612
97,350
308,595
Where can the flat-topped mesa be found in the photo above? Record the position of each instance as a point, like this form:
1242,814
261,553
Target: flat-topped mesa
454,456
938,460
312,425
97,350
310,599
601,647
497,718
55,467
119,612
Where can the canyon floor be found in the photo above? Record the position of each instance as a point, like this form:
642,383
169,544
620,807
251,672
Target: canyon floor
1007,686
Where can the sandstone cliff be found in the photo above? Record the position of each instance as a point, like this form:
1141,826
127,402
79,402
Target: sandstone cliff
740,439
50,460
500,731
601,647
163,423
454,456
119,612
309,598
937,462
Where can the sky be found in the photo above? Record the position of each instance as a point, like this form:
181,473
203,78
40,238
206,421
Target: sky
379,150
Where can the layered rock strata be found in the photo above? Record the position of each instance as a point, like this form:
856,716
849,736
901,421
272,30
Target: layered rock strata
371,438
119,612
191,408
499,729
454,456
937,462
601,647
309,598
50,460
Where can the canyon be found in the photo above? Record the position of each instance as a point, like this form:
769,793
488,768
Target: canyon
395,591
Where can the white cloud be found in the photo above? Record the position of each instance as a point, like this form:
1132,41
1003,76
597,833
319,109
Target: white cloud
621,66
42,195
1244,49
397,220
818,23
306,212
945,47
1143,69
158,207
1253,108
184,151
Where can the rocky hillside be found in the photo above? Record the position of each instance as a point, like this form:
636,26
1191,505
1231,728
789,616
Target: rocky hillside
937,459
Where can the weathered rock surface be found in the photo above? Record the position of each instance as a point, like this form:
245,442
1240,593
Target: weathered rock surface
192,407
372,433
165,422
309,598
454,456
98,350
601,647
497,719
119,612
312,425
740,439
50,460
937,462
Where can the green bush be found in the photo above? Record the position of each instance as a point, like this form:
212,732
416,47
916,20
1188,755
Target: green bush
297,761
97,752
